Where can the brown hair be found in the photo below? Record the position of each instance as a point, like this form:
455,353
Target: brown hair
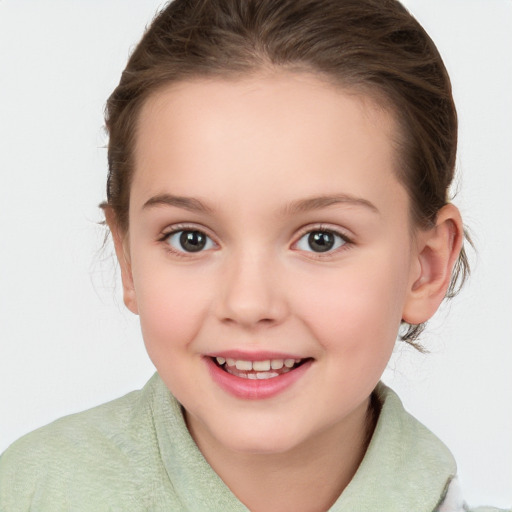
374,46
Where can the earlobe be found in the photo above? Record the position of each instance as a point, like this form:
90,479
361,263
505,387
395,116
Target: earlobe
123,256
438,250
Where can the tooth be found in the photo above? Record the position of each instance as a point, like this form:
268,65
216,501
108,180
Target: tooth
276,364
230,362
261,366
243,365
289,363
252,376
220,360
266,375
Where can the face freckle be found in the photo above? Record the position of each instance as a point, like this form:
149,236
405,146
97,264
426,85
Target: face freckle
256,165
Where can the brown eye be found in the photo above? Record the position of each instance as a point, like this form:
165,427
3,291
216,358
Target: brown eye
189,241
321,241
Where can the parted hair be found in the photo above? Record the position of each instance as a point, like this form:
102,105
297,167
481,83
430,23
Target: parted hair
375,47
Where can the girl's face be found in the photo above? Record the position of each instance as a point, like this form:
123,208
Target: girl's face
268,228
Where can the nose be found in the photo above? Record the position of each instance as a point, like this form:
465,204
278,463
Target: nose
251,292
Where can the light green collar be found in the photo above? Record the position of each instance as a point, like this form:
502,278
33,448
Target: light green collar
406,468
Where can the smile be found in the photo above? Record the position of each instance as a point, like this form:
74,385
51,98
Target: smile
256,379
266,369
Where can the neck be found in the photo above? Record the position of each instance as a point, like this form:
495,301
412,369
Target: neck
308,478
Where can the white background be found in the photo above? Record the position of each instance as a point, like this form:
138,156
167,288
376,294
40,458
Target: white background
66,341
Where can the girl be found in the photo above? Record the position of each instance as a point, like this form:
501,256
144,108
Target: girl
277,196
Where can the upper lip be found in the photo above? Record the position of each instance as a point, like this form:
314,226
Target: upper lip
244,355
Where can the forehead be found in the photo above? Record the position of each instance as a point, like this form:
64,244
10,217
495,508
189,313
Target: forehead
274,135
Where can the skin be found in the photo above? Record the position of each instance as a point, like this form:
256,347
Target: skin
254,152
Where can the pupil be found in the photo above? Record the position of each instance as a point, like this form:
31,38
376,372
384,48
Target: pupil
192,241
321,241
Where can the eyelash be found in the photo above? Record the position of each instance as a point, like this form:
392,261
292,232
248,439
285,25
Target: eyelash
308,230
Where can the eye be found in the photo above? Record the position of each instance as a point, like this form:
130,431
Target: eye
320,240
189,241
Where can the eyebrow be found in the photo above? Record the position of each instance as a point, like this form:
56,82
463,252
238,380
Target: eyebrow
187,203
300,206
316,203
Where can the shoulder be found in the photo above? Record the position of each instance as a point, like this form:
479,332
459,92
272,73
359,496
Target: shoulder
421,471
489,509
83,449
453,501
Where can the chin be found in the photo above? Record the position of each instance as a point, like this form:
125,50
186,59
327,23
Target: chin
261,446
265,438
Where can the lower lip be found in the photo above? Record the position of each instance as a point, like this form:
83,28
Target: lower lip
255,389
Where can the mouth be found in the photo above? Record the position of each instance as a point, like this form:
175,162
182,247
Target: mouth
256,377
258,370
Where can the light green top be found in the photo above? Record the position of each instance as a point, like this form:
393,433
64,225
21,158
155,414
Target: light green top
136,454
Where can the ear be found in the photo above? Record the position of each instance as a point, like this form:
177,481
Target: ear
121,245
437,251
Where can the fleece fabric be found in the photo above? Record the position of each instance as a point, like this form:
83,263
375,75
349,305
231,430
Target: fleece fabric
136,454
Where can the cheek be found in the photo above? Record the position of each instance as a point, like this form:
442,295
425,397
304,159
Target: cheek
357,311
171,304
